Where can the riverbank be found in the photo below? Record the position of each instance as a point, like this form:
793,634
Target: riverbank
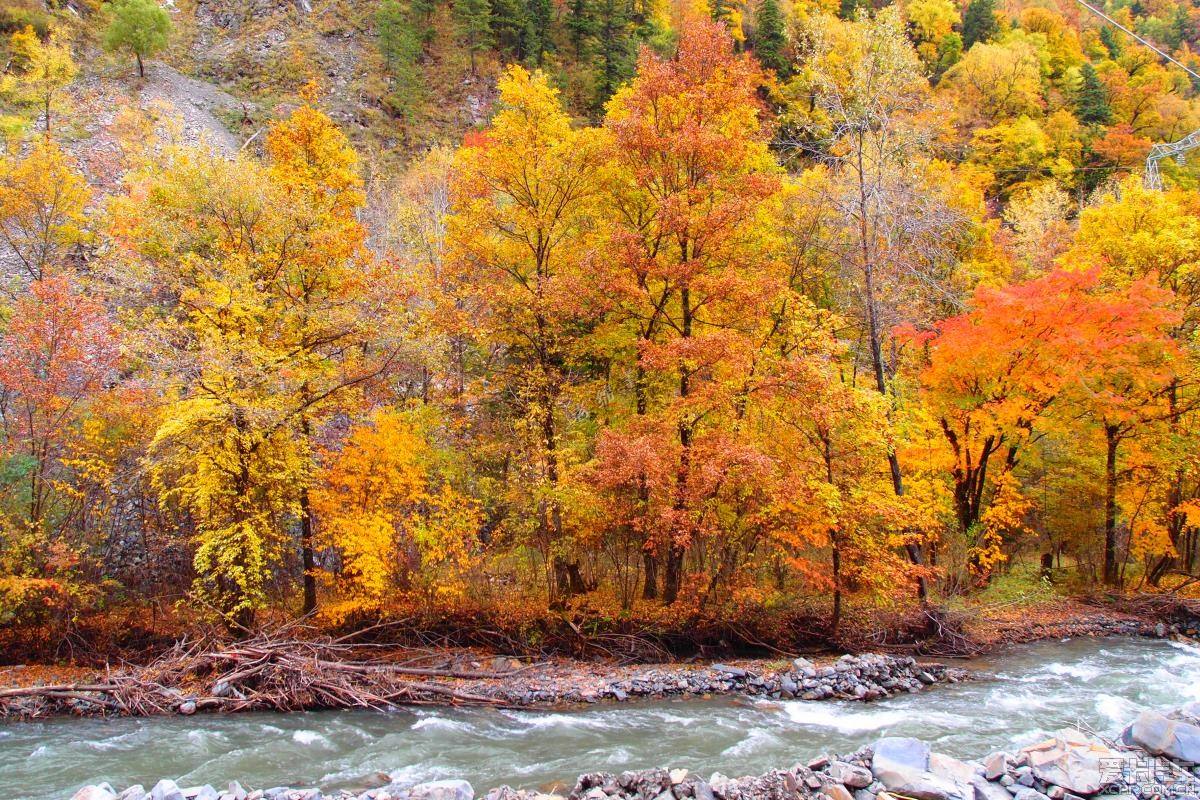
290,674
500,682
1154,758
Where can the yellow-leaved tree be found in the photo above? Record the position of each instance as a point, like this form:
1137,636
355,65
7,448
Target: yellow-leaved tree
261,335
42,200
39,71
386,506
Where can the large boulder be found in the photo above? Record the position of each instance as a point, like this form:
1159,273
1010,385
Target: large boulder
897,752
1162,736
969,777
902,765
952,769
442,790
1071,760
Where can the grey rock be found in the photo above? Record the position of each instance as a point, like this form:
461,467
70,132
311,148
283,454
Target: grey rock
166,790
1025,775
951,768
902,765
1070,760
986,790
850,775
442,790
236,791
1162,736
896,752
136,792
995,765
187,707
1190,712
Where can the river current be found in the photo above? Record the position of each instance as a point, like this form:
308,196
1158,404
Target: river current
1099,684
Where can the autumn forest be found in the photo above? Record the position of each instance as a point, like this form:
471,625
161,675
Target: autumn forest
768,310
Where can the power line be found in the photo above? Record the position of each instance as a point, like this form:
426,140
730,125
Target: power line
1161,150
1113,22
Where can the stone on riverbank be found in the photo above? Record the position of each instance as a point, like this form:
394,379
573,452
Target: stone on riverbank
442,790
1070,760
1163,736
863,677
166,790
902,765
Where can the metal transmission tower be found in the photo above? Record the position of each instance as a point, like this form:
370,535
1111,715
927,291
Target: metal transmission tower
1178,149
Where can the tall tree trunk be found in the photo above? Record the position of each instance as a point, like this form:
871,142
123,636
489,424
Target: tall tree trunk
912,550
1176,522
1111,440
649,556
677,548
835,623
307,557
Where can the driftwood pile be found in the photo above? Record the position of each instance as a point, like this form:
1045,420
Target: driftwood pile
269,671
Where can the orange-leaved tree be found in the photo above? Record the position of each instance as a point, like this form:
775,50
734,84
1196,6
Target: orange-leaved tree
688,181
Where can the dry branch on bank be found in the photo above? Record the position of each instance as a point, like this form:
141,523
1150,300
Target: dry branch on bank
271,670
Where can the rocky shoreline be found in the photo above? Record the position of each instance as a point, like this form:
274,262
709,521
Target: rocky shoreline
1156,757
553,684
865,677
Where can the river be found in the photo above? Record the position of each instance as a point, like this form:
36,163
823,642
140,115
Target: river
1035,689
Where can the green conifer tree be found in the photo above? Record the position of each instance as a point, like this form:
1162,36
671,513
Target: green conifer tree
979,22
615,49
422,17
400,46
770,38
473,23
538,42
1112,42
1091,103
581,26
